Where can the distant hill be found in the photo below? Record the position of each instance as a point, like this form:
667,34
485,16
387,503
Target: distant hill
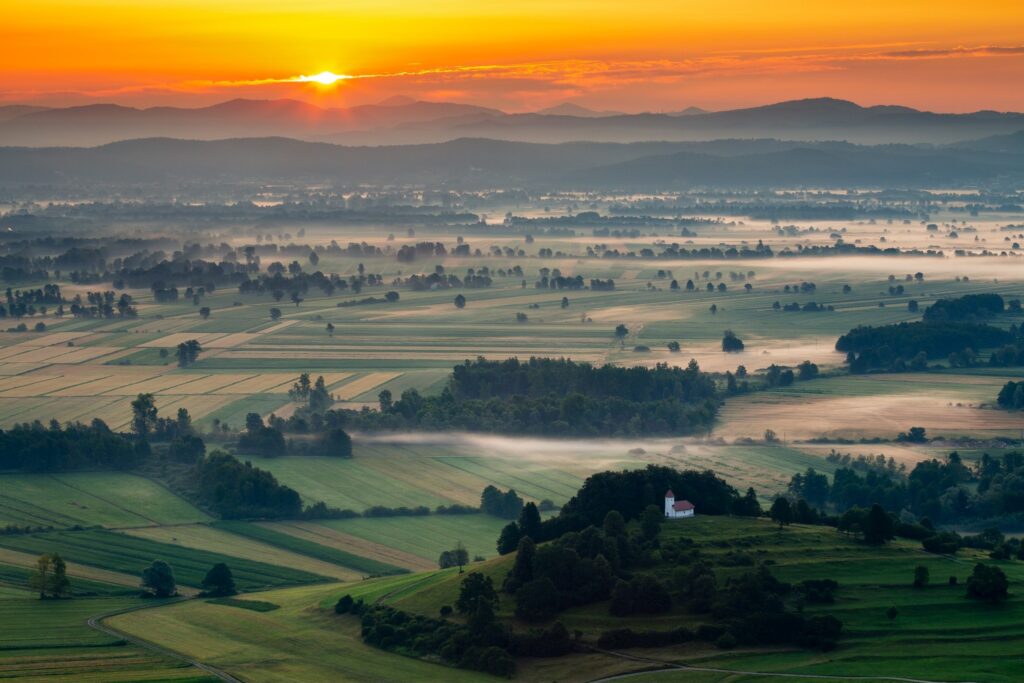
490,163
401,120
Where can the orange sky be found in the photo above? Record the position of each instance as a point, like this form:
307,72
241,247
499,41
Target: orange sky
637,55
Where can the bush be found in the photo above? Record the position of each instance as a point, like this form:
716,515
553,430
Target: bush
726,641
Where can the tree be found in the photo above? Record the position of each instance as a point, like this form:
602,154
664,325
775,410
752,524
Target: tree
878,526
621,331
204,312
892,613
522,569
39,579
60,585
770,436
336,443
159,579
915,435
731,343
219,581
781,512
143,415
565,302
188,352
460,301
476,591
529,521
673,346
614,524
748,505
385,400
330,329
275,313
921,576
456,557
987,583
650,521
296,299
509,538
313,258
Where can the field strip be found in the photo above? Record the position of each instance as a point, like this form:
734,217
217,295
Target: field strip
45,387
29,379
311,531
20,559
352,389
153,385
230,341
202,537
427,473
114,380
172,340
109,502
260,384
87,353
205,384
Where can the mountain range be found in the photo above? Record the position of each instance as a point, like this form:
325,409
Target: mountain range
404,121
482,163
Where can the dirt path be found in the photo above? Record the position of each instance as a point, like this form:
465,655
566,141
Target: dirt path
96,623
659,666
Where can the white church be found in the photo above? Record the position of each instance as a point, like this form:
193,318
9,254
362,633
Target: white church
675,510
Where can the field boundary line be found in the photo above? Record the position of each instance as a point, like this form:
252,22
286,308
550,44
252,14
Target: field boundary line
96,623
659,666
111,503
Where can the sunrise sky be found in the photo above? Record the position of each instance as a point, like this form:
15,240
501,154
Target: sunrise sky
640,55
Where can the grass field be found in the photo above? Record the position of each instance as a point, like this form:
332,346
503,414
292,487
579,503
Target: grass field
110,499
127,554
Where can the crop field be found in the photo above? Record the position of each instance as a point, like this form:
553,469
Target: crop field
426,537
110,499
947,404
210,539
129,555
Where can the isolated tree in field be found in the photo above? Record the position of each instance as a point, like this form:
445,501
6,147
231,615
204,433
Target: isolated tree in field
159,579
219,581
770,436
330,329
529,521
275,313
878,526
188,352
460,301
987,583
921,576
143,415
50,577
621,331
565,302
673,346
781,512
313,258
731,343
39,579
713,308
204,312
296,299
456,557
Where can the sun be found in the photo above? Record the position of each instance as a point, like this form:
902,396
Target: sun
323,78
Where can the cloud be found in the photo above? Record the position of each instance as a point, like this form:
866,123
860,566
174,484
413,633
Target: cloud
976,51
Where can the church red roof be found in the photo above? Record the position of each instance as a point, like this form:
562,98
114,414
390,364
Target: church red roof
683,506
669,494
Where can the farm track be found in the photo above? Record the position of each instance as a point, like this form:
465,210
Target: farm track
661,666
96,623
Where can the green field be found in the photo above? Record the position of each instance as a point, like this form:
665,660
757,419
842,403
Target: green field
304,547
427,537
110,499
119,552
